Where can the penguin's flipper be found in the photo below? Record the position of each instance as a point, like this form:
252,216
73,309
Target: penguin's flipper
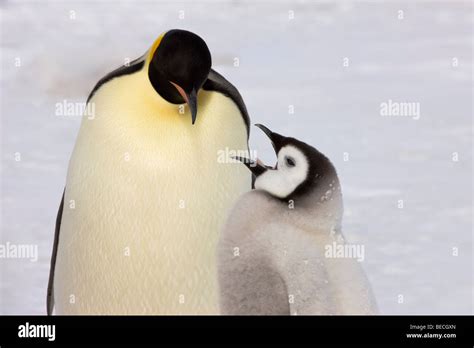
50,294
216,82
250,284
306,274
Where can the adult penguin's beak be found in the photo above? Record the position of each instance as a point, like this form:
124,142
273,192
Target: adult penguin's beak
255,167
276,139
190,98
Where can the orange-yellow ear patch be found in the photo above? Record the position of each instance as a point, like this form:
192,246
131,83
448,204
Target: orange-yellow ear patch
154,47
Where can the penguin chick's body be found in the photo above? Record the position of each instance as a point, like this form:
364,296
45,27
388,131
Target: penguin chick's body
145,195
272,252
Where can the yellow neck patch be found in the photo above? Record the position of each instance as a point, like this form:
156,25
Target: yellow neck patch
153,48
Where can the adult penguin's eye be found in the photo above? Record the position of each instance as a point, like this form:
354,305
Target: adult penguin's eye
290,162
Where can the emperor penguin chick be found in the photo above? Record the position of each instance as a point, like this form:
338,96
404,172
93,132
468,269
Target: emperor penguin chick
274,253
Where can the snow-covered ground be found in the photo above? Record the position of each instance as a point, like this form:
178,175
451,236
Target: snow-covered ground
56,50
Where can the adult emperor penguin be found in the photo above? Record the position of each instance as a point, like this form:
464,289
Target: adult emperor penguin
145,194
272,253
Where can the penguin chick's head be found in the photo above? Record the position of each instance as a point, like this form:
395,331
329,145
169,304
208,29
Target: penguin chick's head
299,170
179,67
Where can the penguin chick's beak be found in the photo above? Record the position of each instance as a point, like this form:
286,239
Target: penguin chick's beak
190,99
254,166
276,139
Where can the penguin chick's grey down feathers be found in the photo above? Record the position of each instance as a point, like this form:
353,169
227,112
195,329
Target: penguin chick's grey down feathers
273,250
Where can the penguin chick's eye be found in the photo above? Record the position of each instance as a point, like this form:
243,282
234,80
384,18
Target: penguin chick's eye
290,162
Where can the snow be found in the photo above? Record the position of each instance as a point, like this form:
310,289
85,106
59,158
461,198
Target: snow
283,64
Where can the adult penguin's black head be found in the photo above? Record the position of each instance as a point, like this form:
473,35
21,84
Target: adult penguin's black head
179,67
